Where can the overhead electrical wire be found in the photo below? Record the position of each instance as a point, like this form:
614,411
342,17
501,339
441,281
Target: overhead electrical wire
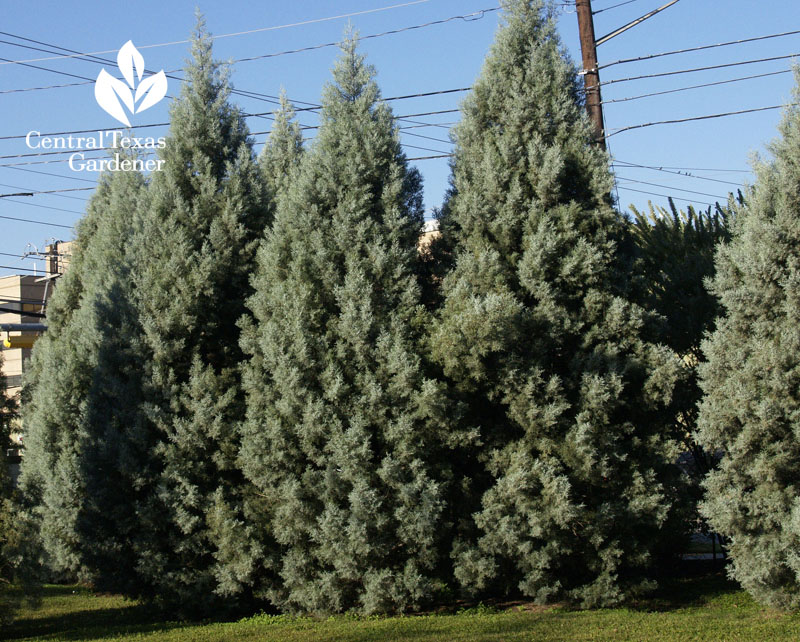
707,84
700,48
623,165
44,207
419,158
690,169
696,69
54,192
466,18
676,198
688,191
238,33
694,118
71,178
470,17
21,269
613,6
21,258
260,96
27,220
245,115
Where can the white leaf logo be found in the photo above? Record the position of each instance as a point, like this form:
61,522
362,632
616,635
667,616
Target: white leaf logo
112,94
152,89
129,59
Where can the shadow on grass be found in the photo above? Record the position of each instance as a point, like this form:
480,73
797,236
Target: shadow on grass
696,587
87,623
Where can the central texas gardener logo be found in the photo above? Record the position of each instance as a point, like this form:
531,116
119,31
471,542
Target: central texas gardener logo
112,94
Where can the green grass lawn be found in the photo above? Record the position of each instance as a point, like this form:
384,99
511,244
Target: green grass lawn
707,608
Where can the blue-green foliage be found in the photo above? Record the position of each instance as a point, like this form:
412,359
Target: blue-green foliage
751,409
574,484
343,426
193,260
85,460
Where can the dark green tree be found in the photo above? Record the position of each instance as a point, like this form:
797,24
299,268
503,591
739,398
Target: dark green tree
9,541
8,409
84,459
193,259
675,257
751,409
573,488
342,431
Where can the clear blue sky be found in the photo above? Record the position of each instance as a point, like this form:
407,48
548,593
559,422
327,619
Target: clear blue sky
433,58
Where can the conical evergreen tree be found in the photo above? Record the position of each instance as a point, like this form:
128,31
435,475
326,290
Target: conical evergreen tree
243,541
84,459
194,258
574,482
751,409
342,424
281,155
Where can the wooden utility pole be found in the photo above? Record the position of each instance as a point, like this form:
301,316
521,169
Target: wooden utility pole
591,75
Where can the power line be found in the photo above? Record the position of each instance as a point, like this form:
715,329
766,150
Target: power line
26,220
425,149
55,192
44,207
676,198
445,125
61,73
418,158
700,48
613,6
34,171
693,169
634,23
688,191
708,84
23,89
471,17
686,120
466,17
438,140
239,33
17,256
20,269
674,173
244,115
688,71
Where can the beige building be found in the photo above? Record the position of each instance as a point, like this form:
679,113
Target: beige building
430,232
21,294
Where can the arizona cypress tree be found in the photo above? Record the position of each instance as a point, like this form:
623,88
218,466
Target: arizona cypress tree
84,457
193,261
751,409
342,424
243,539
283,150
574,481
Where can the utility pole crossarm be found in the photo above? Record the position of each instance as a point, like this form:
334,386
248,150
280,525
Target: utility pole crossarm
624,28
